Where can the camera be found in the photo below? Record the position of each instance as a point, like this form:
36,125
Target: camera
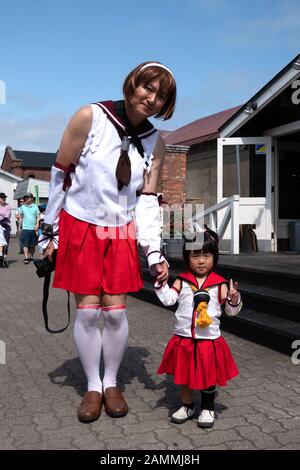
47,229
44,266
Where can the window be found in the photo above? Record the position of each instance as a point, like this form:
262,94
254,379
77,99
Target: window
244,170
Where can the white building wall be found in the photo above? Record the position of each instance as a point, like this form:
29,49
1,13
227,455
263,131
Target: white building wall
28,186
15,188
8,184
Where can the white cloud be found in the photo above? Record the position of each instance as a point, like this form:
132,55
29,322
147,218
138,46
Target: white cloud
203,5
279,28
28,102
37,134
218,93
2,92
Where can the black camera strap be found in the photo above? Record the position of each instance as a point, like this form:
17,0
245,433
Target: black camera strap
48,231
46,286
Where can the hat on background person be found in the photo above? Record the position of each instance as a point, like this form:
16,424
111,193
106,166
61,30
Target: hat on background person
27,195
3,195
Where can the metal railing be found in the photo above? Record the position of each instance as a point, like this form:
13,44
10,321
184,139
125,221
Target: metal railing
231,215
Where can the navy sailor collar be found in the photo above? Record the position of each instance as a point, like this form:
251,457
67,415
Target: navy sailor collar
115,111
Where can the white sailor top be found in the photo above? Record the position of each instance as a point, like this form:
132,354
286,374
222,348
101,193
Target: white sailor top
185,314
94,196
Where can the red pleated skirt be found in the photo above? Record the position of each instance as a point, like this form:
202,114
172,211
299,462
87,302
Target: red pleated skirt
199,364
92,259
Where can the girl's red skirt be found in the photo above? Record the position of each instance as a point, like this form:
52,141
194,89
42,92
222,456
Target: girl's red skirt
91,259
198,363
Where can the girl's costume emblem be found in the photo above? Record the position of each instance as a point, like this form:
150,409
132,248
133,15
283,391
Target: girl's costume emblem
201,299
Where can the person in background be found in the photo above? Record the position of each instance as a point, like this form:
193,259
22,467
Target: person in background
5,220
3,244
29,213
19,225
40,233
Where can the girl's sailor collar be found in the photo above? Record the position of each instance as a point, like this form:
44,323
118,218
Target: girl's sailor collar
212,279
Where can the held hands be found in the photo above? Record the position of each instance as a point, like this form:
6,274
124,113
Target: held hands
233,295
162,272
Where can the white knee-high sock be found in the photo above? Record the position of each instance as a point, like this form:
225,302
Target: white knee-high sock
114,342
87,338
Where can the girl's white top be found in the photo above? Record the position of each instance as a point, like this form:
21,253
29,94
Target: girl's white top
185,325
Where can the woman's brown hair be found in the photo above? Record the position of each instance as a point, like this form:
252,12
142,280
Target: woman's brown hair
139,77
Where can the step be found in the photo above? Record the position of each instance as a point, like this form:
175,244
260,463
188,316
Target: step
279,303
258,327
264,329
291,299
262,277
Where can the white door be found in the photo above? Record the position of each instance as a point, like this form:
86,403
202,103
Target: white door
244,167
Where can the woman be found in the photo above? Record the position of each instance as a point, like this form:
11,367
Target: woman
116,156
5,222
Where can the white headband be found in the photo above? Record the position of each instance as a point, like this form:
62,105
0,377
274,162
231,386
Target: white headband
155,64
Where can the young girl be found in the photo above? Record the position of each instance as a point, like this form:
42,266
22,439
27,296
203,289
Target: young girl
197,355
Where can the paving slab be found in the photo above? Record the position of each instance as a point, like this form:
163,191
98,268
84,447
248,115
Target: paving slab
42,383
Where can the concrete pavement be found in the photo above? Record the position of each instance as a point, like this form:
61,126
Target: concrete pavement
42,383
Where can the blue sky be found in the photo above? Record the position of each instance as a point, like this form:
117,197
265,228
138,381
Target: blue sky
58,55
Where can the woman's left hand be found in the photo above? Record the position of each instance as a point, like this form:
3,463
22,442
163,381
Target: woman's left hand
233,295
163,272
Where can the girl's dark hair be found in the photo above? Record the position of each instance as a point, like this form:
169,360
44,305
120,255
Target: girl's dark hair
210,245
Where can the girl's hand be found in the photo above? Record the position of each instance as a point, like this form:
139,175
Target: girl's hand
49,251
163,272
233,295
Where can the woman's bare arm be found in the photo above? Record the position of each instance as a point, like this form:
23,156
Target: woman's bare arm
74,136
151,179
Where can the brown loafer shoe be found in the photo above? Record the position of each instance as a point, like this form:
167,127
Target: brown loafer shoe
114,403
90,407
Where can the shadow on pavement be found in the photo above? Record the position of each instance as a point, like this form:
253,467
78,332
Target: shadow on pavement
70,374
172,400
134,365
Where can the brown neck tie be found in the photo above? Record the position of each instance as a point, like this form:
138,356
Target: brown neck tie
116,113
123,170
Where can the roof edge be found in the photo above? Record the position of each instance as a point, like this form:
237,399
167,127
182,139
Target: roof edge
11,175
252,104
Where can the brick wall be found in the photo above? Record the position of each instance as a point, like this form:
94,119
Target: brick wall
41,174
7,162
173,175
14,166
